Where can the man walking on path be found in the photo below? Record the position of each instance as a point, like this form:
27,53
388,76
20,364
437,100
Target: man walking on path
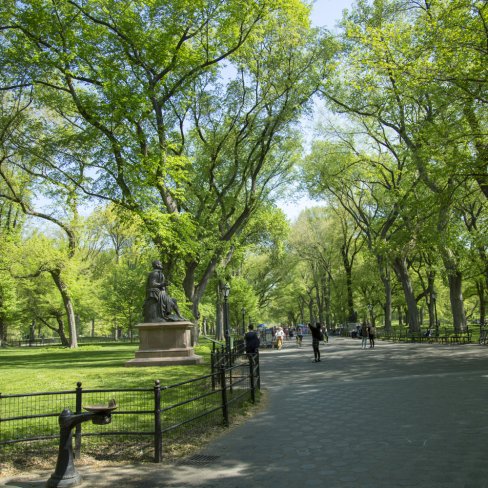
252,340
317,336
371,335
364,335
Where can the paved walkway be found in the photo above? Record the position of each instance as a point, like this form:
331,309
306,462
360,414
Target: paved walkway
399,415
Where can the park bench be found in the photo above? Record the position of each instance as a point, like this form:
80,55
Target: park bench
438,339
441,339
462,338
415,337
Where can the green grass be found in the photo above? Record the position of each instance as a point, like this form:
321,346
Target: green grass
100,367
39,369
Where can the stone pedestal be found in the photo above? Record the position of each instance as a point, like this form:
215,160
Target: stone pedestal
164,344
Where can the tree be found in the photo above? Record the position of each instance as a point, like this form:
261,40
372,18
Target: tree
390,63
125,78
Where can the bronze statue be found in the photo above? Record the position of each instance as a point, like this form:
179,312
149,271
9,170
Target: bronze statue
159,306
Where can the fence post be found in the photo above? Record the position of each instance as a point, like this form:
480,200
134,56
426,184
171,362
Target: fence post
251,377
158,435
258,369
223,385
231,369
79,402
212,368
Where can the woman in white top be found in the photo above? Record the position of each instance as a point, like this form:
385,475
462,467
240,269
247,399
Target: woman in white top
279,337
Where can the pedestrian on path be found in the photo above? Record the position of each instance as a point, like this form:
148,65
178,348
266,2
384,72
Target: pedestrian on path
299,336
326,335
280,335
252,340
364,335
371,333
317,336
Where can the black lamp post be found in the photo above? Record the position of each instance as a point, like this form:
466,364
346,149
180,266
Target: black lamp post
226,292
243,320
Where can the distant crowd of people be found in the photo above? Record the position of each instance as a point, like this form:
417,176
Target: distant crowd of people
319,334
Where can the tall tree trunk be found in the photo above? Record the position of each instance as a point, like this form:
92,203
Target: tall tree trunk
68,307
301,304
431,300
219,329
32,332
455,279
60,331
327,303
401,270
457,302
310,309
480,288
386,280
454,274
3,331
349,291
204,326
320,303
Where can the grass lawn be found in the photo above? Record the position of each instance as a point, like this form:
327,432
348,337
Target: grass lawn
39,369
100,367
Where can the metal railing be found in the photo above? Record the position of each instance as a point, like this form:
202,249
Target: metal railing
444,335
156,418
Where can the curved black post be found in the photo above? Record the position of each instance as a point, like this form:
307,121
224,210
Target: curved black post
65,473
225,407
251,377
79,401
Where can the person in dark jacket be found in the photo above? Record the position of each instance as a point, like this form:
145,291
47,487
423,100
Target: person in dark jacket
371,334
317,336
252,340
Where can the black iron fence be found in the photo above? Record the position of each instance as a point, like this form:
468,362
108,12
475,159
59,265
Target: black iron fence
156,418
444,335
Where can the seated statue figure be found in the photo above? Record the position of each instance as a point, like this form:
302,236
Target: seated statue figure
159,306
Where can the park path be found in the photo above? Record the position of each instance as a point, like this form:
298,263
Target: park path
399,415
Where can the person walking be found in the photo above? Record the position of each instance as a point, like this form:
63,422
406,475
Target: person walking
299,336
364,335
317,336
251,339
280,335
371,333
324,331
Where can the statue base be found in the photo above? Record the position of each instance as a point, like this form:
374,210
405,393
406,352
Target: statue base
165,344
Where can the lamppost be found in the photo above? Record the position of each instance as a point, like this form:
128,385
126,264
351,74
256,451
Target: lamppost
243,320
226,292
434,300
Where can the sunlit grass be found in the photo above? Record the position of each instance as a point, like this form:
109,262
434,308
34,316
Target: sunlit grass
102,367
38,369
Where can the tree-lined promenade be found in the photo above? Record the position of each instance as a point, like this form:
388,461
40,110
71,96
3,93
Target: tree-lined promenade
178,126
